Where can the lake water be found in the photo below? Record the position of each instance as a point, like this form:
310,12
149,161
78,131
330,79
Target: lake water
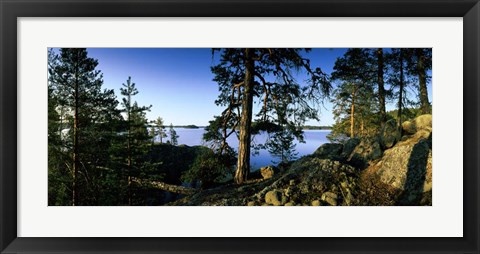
313,139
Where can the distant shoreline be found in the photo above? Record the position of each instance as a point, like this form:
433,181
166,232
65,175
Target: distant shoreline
308,127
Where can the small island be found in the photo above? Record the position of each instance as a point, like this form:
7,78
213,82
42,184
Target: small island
190,126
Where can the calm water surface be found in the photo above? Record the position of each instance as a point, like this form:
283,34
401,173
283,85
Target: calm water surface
313,139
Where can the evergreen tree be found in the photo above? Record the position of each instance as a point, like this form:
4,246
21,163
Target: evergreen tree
248,73
418,65
59,177
381,85
282,146
354,97
173,136
159,129
400,80
137,137
85,111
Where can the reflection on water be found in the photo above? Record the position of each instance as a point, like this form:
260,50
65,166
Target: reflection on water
313,139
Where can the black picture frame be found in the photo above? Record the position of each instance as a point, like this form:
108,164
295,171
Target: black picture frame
10,10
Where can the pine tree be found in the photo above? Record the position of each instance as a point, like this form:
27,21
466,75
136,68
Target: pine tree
354,98
173,136
159,129
400,79
261,73
85,111
418,65
59,177
381,85
137,137
282,146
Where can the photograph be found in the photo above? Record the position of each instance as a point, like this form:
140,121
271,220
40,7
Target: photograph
239,126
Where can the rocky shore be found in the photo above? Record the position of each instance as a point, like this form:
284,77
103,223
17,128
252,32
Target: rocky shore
390,169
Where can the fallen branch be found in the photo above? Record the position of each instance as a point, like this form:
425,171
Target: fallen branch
166,186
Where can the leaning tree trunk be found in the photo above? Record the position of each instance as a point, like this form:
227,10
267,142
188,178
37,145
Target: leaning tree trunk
381,88
165,186
422,80
243,164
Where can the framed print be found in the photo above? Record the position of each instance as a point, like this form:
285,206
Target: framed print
114,175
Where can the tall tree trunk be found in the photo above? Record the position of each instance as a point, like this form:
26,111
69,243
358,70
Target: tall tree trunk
400,96
381,87
76,159
129,157
352,112
362,126
61,122
422,79
243,164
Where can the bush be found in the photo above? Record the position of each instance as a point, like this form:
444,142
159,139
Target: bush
209,169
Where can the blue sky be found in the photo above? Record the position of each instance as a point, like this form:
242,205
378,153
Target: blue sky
177,82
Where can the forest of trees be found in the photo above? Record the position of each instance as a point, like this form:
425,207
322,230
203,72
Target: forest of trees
367,79
101,148
97,145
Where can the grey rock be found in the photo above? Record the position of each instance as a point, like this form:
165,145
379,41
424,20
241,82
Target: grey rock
407,168
420,123
423,122
275,198
409,127
349,146
390,134
329,151
330,198
367,150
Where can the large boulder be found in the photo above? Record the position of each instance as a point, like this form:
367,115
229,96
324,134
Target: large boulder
409,127
423,122
330,198
368,149
349,146
420,123
407,168
329,151
275,198
390,134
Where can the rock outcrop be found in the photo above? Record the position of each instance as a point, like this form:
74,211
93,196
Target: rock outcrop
389,135
309,181
330,151
370,171
355,152
421,123
407,167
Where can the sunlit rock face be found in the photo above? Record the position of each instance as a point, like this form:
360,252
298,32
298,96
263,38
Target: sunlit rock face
407,166
421,123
